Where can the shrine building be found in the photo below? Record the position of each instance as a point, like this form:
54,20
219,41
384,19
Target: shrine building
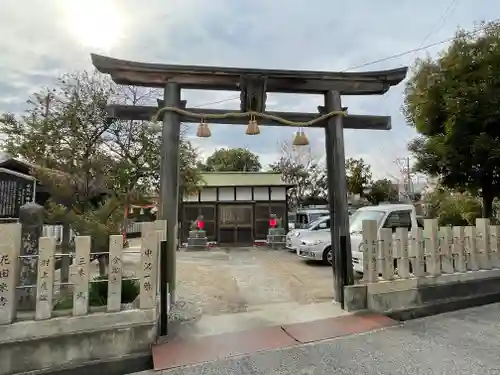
236,206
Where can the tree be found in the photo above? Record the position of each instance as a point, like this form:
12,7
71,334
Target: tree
452,208
299,167
91,167
231,160
382,191
317,188
358,176
453,102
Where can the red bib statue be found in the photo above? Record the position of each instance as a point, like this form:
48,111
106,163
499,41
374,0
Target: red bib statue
273,221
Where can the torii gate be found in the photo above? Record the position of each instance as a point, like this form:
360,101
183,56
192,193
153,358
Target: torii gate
253,85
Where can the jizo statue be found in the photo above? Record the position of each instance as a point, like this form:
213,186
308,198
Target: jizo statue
274,222
198,224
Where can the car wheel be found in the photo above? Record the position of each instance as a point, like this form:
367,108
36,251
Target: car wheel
396,266
357,275
328,256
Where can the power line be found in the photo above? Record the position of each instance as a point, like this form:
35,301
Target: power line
433,29
483,28
426,38
391,57
217,102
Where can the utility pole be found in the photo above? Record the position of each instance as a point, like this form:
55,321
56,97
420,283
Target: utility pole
405,170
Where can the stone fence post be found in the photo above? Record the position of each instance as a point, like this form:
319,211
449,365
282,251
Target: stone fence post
10,239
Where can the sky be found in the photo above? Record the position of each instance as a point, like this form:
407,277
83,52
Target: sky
41,40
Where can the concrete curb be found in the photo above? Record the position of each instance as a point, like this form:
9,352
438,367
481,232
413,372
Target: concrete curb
133,363
444,306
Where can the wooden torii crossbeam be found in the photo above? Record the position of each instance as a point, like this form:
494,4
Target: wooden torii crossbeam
232,79
146,113
253,85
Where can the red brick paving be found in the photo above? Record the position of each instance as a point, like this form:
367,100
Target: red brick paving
209,348
178,353
335,327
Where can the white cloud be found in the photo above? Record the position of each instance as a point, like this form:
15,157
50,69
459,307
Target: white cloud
38,44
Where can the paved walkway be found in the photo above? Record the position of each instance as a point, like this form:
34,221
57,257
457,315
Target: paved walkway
465,342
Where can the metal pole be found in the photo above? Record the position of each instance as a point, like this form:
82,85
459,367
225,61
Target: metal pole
169,179
408,176
337,181
163,289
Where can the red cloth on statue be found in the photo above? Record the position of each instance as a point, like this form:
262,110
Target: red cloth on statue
200,224
273,223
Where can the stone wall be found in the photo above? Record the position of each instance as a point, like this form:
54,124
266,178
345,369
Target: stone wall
67,342
46,339
427,271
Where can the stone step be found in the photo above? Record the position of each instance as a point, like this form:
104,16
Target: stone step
179,353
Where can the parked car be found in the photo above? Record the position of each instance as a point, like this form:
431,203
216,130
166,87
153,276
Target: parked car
293,237
318,246
306,216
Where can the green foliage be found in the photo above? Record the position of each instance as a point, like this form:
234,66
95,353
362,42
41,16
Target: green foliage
98,291
452,208
190,177
382,191
90,166
98,294
300,168
454,104
231,160
358,174
66,129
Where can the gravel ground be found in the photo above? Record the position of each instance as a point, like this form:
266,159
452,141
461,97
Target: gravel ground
222,281
219,282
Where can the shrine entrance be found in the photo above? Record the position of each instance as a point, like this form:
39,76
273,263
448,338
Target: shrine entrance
236,225
253,85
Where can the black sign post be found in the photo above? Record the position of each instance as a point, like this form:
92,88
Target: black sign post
16,189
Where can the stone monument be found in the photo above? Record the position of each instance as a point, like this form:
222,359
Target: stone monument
31,217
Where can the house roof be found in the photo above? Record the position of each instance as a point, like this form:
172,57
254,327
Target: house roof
221,179
22,167
17,174
16,165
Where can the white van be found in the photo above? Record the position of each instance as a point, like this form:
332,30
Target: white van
318,247
322,224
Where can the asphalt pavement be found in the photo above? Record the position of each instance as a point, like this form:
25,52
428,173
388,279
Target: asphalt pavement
465,342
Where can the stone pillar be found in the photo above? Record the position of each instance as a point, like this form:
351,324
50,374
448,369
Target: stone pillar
65,260
80,275
10,238
147,275
31,217
276,238
45,282
115,273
